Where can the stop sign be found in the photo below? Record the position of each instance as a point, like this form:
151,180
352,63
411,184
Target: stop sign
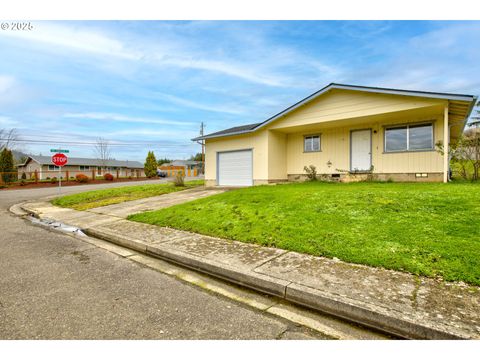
59,159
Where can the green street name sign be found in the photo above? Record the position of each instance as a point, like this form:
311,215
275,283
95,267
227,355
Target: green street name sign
59,151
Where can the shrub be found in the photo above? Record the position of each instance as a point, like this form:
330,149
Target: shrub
150,165
23,182
53,180
311,172
7,167
81,178
179,179
24,176
108,177
48,178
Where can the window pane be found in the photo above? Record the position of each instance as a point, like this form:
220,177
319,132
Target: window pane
421,137
316,143
308,144
396,139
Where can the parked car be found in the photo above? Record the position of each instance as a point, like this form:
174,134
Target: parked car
161,173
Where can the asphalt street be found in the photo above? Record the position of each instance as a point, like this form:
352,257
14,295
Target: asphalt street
54,286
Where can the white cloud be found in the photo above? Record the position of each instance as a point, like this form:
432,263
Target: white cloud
243,71
124,118
75,37
6,84
160,52
149,133
12,92
8,122
201,106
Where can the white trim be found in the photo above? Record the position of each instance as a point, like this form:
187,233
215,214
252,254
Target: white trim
407,126
446,139
446,96
319,143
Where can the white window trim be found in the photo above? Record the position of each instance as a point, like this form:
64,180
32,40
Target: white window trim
319,143
53,168
399,126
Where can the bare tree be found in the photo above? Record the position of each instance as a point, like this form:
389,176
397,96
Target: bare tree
102,151
8,138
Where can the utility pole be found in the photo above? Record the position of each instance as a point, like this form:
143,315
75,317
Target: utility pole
203,148
202,142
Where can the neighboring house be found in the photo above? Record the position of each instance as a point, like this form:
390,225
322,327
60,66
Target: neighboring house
346,132
188,167
45,169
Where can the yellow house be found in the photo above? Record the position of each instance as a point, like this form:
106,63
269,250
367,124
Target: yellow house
347,132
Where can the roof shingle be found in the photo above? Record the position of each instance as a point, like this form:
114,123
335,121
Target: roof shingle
47,160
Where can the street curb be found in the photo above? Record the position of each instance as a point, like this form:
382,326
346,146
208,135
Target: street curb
18,210
256,281
292,292
313,298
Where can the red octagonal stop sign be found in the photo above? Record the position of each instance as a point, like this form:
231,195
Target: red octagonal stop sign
59,159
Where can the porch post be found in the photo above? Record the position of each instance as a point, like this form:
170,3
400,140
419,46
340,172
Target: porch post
446,138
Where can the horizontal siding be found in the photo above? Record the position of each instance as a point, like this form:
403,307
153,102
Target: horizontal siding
277,154
341,104
277,150
256,141
335,148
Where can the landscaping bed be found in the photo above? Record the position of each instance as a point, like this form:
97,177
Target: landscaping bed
426,229
92,199
49,183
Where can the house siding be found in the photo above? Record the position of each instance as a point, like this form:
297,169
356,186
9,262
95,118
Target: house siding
257,141
44,173
343,104
278,152
335,148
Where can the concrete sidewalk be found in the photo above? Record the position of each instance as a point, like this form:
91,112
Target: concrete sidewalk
395,302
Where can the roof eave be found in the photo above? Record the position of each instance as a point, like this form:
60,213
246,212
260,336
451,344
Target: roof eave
366,89
331,86
223,135
469,112
429,94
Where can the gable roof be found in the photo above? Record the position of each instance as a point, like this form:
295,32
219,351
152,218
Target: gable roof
47,160
238,130
231,131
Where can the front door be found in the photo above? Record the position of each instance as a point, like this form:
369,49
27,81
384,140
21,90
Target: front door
361,150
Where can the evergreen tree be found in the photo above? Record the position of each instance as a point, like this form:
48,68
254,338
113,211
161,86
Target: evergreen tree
7,166
196,157
150,165
163,161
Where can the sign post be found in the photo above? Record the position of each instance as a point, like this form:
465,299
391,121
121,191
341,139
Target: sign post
59,159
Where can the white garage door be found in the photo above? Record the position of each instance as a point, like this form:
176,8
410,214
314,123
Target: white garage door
235,168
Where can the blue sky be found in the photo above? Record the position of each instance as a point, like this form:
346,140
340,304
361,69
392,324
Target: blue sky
151,83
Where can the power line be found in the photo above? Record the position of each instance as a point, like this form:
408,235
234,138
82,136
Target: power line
30,141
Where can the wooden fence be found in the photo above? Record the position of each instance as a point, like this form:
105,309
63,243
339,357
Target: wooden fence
173,170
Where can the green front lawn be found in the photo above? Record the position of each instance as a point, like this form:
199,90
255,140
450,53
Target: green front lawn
425,229
92,199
